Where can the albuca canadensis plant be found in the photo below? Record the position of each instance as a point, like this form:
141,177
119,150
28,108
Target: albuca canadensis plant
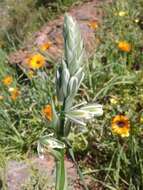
69,76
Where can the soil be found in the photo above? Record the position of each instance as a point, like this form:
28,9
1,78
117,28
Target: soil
19,173
35,173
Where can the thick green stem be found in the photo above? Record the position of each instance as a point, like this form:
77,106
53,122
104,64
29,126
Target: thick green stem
61,177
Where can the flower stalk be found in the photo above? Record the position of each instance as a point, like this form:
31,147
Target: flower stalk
69,76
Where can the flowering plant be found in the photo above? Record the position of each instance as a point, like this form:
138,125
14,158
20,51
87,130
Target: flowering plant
69,76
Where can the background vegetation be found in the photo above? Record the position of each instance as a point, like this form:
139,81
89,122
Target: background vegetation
114,78
19,18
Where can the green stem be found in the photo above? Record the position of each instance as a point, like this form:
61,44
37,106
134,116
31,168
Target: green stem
62,119
61,178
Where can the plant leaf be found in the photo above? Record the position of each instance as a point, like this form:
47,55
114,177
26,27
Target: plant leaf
51,142
94,109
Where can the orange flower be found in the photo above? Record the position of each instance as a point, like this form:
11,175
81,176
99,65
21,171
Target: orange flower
36,61
93,25
47,112
124,46
14,93
7,80
121,125
45,46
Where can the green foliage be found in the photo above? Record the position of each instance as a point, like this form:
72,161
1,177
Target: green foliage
21,121
115,79
20,18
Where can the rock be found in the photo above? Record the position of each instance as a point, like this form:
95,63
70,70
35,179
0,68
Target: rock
19,173
52,31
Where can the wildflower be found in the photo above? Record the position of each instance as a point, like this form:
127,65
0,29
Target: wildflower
1,97
113,100
141,119
137,20
45,46
47,112
93,25
121,125
7,80
124,46
14,93
36,61
122,13
31,74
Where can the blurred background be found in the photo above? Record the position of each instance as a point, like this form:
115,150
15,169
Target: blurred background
19,18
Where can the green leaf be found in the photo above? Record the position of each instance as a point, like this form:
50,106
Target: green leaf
73,45
51,142
65,79
76,120
68,103
94,109
80,75
55,120
79,114
73,85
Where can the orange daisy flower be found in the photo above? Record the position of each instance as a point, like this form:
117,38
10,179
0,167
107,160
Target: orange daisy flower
47,112
124,46
93,25
14,93
121,125
36,61
7,80
45,46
